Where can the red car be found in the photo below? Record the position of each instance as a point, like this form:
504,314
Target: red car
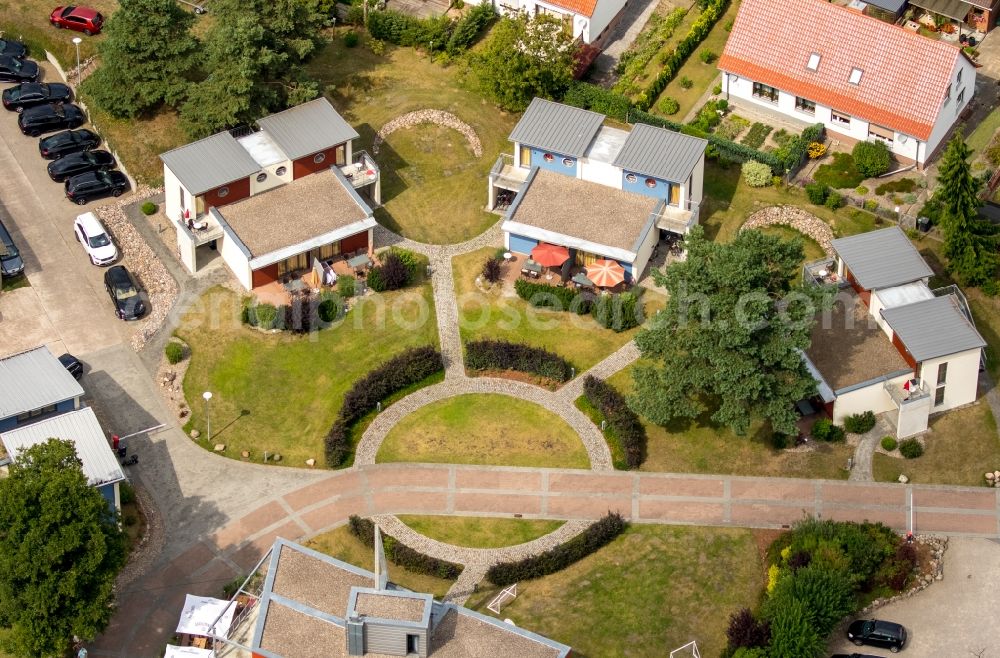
81,19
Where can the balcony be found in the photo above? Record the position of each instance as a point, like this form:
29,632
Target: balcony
362,171
203,230
822,272
504,174
677,220
902,398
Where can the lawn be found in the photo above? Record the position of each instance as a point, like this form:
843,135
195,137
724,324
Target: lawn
651,590
13,283
494,314
341,544
811,248
840,174
281,393
474,532
704,447
484,429
981,137
28,21
433,188
962,445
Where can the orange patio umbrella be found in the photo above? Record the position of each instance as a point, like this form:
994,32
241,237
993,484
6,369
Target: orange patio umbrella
605,273
549,255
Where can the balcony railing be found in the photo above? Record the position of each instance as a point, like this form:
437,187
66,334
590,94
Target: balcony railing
918,391
677,220
205,228
362,171
822,272
504,174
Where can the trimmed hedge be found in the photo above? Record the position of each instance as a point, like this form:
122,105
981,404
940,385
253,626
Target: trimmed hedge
622,422
619,312
558,298
399,553
911,448
598,535
174,352
438,34
860,423
824,430
504,355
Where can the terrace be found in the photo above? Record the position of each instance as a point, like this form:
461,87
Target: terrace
507,176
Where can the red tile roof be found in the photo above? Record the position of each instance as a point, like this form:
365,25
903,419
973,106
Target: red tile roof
582,7
904,75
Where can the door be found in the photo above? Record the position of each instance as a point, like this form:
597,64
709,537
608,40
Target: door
412,644
525,156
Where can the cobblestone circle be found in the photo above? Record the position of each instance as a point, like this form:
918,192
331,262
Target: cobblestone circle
805,223
438,117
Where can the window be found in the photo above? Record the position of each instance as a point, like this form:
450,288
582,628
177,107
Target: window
548,157
568,162
675,195
813,62
761,90
35,413
881,134
942,373
222,192
961,98
947,92
805,105
319,158
958,78
650,183
412,644
631,178
838,117
855,76
261,177
281,171
939,396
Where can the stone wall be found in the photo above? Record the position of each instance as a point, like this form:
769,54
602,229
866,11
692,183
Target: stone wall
805,223
437,117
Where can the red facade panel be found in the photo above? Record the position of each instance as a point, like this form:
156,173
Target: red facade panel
355,242
238,190
264,275
903,352
307,165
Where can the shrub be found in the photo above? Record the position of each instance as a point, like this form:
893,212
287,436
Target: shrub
351,39
816,150
745,630
871,205
596,536
492,270
469,27
266,316
793,634
619,312
756,174
824,430
707,56
871,158
834,200
861,190
401,554
330,309
889,443
716,90
346,286
127,493
685,82
416,264
505,355
991,288
860,423
148,208
174,352
377,46
758,133
336,445
668,105
732,126
558,298
901,185
404,369
622,423
817,193
828,593
300,316
375,280
911,448
395,273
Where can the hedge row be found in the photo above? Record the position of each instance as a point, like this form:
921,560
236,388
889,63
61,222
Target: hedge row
598,535
619,312
559,298
403,370
504,355
399,553
437,34
301,315
622,422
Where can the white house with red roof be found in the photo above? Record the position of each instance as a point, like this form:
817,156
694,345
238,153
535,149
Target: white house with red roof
819,62
590,21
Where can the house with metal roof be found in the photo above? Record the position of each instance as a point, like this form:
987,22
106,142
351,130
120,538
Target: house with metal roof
590,21
266,168
82,429
571,180
892,344
34,385
862,78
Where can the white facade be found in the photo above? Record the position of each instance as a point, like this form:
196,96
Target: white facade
586,28
872,397
961,379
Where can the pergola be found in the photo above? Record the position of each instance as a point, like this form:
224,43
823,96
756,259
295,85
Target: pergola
957,10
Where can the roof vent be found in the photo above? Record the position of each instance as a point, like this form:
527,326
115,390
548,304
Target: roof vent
855,76
813,62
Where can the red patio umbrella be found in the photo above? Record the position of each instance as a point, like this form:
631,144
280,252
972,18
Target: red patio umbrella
605,273
549,255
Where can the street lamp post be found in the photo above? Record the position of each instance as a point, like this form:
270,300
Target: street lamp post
208,415
76,42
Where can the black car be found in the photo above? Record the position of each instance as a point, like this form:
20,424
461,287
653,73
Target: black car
64,143
13,69
124,293
13,48
10,258
45,118
79,163
874,632
72,365
94,184
28,94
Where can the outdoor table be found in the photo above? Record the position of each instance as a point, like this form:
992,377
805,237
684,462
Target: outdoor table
361,260
295,285
581,279
531,266
507,256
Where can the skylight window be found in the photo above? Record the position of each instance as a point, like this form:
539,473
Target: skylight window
813,62
855,76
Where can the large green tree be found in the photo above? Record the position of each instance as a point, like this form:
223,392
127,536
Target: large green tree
253,62
729,338
970,242
146,57
60,551
523,58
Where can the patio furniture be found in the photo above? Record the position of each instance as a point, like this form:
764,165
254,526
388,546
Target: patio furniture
550,255
295,285
359,262
581,281
531,268
507,256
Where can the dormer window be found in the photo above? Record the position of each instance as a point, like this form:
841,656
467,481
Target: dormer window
855,76
813,63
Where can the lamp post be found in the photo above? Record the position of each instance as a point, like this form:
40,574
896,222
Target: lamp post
76,42
208,415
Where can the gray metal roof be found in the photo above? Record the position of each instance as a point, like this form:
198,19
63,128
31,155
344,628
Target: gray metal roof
881,259
209,163
305,129
32,380
932,328
100,465
661,153
895,6
564,129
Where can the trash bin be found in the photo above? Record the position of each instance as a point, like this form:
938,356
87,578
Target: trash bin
924,224
972,42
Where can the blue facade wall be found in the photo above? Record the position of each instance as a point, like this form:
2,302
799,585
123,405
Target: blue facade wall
108,491
661,189
10,422
556,165
521,244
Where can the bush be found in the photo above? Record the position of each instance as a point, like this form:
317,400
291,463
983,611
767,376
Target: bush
148,208
889,443
346,286
469,27
824,430
871,158
504,355
351,39
861,190
871,205
747,631
416,264
901,185
336,445
619,312
596,536
716,90
399,553
127,493
756,174
266,316
174,352
622,423
404,369
860,423
793,634
817,193
685,82
732,126
757,135
558,298
707,56
668,105
394,272
377,46
911,448
991,288
330,308
816,150
375,280
492,270
834,200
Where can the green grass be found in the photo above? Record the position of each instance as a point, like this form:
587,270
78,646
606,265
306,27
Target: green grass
494,314
473,532
281,393
840,174
341,544
614,443
651,590
484,429
981,137
13,283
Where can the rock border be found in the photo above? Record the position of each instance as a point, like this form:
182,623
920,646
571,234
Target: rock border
804,222
437,117
938,546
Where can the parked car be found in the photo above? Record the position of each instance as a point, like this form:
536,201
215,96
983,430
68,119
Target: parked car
70,141
72,365
124,293
45,118
877,633
13,69
10,258
78,163
29,94
13,48
95,239
95,184
81,19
